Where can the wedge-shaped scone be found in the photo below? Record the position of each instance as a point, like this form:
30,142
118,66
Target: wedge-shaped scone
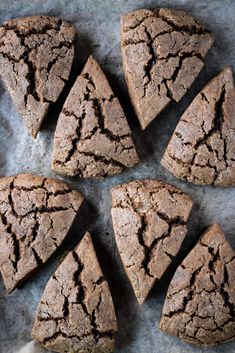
202,147
76,312
162,53
35,216
92,137
149,221
36,55
199,306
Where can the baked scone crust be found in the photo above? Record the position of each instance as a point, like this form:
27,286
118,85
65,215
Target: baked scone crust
76,312
36,214
199,306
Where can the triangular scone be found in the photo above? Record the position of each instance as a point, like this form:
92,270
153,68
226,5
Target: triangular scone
36,55
149,221
92,137
162,54
202,147
36,213
199,306
76,312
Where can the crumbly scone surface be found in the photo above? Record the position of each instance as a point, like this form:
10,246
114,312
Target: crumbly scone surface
36,55
200,302
92,137
76,312
149,221
162,53
202,147
35,216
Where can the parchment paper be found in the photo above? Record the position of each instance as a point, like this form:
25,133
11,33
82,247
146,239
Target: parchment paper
97,24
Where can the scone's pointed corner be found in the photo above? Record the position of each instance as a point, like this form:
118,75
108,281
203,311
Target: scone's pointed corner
33,133
213,235
86,241
92,59
141,298
215,227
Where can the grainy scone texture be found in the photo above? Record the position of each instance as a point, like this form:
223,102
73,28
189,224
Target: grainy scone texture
162,54
35,216
92,137
202,147
199,306
76,312
36,55
149,221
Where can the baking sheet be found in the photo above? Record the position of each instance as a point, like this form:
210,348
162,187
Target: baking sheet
97,25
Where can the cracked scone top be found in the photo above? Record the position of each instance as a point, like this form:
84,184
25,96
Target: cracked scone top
36,55
35,216
76,312
92,137
162,53
149,221
202,147
199,306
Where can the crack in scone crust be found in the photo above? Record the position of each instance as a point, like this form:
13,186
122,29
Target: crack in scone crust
92,137
200,302
36,55
162,53
76,312
149,221
202,147
35,216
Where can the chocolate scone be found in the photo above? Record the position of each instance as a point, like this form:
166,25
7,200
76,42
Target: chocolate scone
35,216
199,306
76,312
149,221
162,53
92,137
36,55
202,147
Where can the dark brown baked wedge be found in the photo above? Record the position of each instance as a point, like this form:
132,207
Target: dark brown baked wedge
36,55
162,53
92,137
199,306
202,147
35,216
149,221
76,312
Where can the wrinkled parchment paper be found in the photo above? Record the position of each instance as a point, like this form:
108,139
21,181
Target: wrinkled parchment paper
97,25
